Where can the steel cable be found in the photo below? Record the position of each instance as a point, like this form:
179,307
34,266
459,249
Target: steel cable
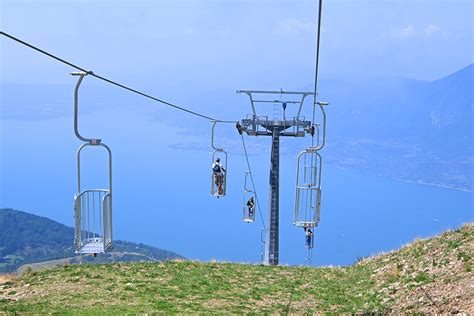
111,81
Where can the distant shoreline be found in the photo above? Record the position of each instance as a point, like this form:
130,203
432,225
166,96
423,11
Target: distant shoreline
402,180
180,146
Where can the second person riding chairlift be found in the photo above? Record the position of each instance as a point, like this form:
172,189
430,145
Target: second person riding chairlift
309,238
251,208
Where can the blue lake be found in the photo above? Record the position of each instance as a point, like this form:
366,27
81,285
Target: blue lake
161,195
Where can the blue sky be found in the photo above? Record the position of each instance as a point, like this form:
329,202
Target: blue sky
237,44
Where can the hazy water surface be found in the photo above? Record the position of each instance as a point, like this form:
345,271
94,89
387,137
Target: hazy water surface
161,195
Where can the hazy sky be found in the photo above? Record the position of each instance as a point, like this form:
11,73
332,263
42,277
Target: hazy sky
237,43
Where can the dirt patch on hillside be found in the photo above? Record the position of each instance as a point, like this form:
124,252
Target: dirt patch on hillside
4,278
429,276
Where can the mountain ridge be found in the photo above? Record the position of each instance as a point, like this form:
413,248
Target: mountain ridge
27,238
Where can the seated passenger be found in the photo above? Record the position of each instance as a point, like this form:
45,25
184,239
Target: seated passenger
309,237
218,171
251,207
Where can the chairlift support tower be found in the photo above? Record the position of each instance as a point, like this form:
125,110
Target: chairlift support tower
255,125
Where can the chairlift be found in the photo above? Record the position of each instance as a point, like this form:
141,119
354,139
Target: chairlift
308,189
92,207
219,169
248,202
308,178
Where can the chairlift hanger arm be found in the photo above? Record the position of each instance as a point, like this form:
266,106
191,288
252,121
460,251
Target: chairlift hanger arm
76,109
320,146
212,137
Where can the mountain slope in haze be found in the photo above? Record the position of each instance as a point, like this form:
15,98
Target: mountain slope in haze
27,238
401,128
430,276
405,129
438,112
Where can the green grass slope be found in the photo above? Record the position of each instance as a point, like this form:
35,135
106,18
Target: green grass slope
432,275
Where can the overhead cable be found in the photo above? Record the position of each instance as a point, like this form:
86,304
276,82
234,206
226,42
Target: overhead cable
111,81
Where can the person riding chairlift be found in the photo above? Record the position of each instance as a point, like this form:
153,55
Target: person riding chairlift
218,171
251,207
309,237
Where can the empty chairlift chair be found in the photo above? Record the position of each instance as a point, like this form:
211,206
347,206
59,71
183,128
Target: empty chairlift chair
92,207
308,189
93,213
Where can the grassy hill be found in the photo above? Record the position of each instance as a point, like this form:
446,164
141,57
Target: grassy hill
27,238
428,276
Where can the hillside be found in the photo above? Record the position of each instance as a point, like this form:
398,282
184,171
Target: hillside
405,129
429,276
27,238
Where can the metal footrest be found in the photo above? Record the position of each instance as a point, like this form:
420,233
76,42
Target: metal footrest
305,224
92,245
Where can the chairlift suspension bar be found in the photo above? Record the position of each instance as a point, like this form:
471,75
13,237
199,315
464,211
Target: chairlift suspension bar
212,137
323,142
76,109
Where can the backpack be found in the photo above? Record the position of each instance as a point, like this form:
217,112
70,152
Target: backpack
216,168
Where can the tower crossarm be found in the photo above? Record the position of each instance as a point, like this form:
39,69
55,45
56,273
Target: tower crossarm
256,125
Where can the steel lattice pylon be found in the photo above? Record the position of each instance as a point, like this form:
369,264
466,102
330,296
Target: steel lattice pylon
296,126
